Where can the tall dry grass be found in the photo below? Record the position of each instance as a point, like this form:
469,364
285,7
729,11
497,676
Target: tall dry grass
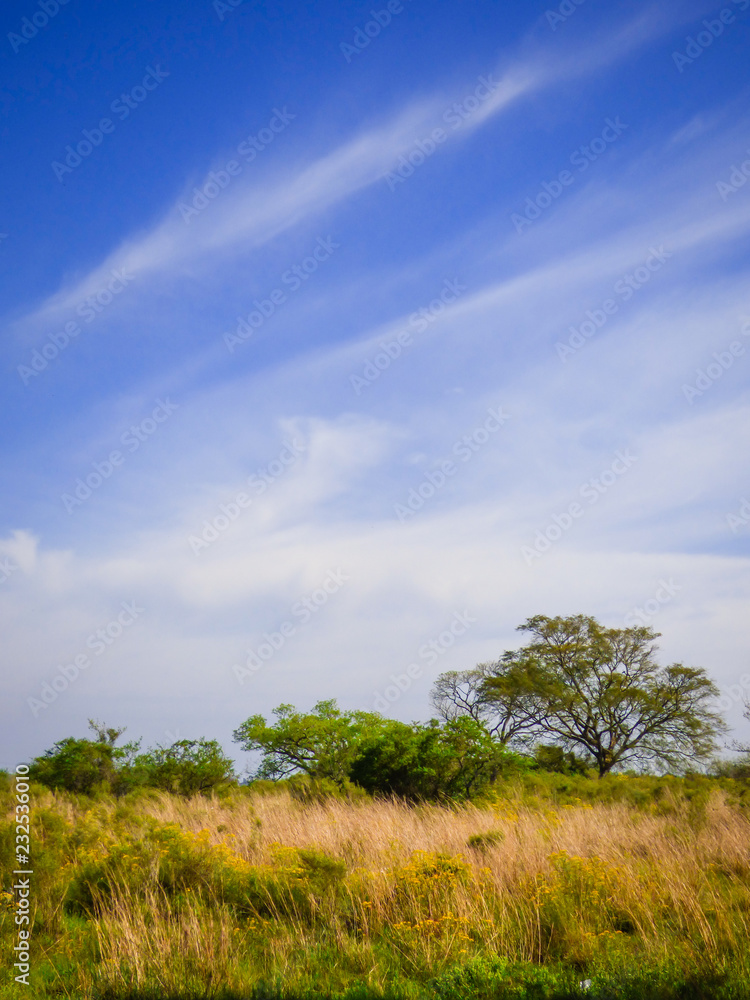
267,887
668,862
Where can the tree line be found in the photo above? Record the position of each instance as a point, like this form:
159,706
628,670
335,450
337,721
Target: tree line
577,697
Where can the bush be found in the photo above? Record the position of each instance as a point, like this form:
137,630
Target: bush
485,841
457,760
188,767
497,978
186,867
88,767
552,758
76,766
738,770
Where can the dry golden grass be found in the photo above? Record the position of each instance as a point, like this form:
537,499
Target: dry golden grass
379,834
424,887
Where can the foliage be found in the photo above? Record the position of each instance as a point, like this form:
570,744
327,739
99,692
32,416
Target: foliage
485,841
739,769
460,693
496,978
84,766
186,867
457,760
549,757
76,765
186,767
600,691
322,743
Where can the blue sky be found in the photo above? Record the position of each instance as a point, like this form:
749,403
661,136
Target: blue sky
340,339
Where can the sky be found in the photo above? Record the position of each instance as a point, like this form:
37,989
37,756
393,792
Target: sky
340,339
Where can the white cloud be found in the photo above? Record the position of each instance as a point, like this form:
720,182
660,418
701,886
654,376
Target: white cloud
21,547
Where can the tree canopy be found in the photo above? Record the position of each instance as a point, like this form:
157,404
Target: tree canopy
322,743
600,691
187,767
75,765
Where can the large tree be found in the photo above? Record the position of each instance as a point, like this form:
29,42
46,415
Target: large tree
601,691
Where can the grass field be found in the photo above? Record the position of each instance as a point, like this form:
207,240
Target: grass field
641,885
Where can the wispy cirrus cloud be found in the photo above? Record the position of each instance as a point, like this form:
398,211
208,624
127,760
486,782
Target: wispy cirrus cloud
252,213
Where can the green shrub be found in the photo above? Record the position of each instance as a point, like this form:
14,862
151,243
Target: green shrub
76,766
187,767
548,757
485,841
98,768
183,865
496,978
